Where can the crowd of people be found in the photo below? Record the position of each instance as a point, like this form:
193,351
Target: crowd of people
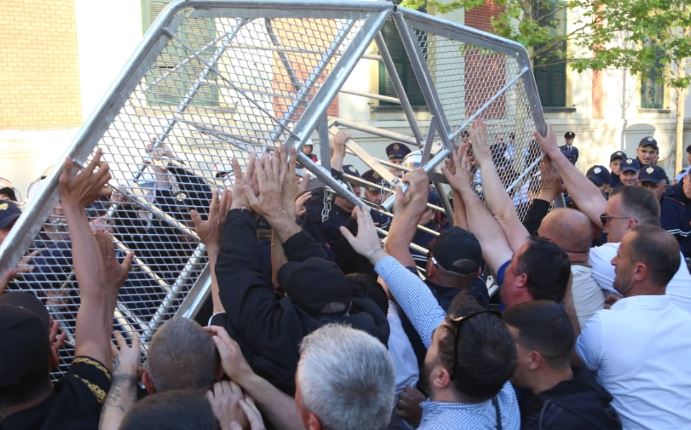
335,328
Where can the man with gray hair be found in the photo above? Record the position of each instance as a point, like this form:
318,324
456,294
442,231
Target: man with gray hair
345,380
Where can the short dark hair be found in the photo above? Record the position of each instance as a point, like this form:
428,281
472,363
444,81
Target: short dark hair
174,409
486,354
182,355
366,286
658,249
548,269
640,203
544,326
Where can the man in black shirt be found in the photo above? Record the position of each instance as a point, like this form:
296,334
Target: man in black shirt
559,397
27,398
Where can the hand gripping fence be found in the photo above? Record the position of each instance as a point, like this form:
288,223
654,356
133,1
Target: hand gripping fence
216,79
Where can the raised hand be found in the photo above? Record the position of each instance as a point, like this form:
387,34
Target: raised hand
457,168
367,242
242,181
56,337
478,137
232,361
126,357
550,180
252,413
115,273
78,190
225,398
270,170
209,231
548,143
414,202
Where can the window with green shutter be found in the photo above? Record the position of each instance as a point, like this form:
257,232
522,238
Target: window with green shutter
549,64
652,85
177,68
403,68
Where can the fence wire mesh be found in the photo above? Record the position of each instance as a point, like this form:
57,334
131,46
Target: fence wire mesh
222,80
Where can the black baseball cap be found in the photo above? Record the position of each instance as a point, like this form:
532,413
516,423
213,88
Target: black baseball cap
349,169
630,165
9,212
25,347
569,135
688,149
457,250
652,174
618,155
598,175
314,283
648,141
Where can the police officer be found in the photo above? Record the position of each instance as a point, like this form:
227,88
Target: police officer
570,151
599,175
648,151
396,152
9,213
629,172
376,195
655,179
615,161
675,214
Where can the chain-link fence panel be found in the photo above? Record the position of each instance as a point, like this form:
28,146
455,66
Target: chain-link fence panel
217,80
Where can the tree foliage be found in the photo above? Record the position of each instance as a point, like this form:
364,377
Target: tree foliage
638,35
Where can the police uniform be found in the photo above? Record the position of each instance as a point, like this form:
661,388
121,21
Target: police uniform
380,220
614,180
570,151
397,151
675,216
647,141
652,174
599,175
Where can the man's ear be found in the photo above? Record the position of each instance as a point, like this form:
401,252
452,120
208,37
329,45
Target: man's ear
536,360
313,422
148,382
440,377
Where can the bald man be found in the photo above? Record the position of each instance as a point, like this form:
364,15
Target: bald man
572,231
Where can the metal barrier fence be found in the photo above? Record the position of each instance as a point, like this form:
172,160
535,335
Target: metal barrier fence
218,79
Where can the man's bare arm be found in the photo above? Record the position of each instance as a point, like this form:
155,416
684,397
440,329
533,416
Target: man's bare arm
408,209
498,201
495,247
584,193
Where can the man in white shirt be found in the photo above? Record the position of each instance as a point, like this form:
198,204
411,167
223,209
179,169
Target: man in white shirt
640,348
629,207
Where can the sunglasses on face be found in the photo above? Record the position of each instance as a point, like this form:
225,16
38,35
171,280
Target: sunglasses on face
604,218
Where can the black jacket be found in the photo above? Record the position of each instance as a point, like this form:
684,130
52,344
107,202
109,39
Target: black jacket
269,327
580,403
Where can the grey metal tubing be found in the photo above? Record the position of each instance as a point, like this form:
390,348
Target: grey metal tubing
315,73
485,105
197,295
389,214
174,291
398,86
523,174
449,29
423,78
377,131
387,99
383,188
320,172
281,54
324,147
337,77
448,210
194,89
429,141
413,246
94,127
140,263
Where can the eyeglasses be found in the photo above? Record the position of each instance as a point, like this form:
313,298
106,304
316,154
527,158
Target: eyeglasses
457,322
604,218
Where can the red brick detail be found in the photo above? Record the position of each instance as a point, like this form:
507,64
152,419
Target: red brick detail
598,95
480,17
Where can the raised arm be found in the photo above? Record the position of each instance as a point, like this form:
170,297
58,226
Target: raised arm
408,210
123,391
338,150
495,247
209,232
498,201
278,407
550,187
413,296
97,288
584,193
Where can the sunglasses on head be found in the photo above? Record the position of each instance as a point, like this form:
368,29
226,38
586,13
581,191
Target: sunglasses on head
457,322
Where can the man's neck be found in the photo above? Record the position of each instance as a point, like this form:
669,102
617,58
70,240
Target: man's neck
547,378
645,289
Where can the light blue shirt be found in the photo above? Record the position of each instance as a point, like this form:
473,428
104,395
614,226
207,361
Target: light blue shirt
424,312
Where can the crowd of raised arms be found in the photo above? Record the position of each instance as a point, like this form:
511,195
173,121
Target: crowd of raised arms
321,324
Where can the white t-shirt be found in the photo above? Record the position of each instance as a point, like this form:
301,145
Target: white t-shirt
588,298
641,352
600,259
